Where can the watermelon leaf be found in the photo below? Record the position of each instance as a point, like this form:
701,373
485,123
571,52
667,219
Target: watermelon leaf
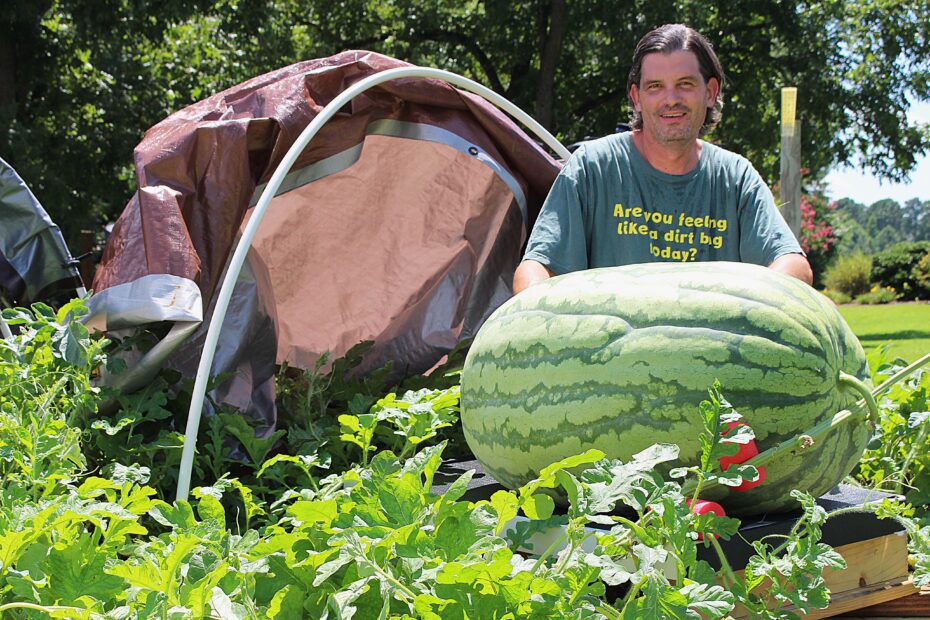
711,600
662,600
735,476
507,506
538,506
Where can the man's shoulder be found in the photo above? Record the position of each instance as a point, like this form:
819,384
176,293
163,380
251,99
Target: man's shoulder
724,155
722,159
608,148
606,143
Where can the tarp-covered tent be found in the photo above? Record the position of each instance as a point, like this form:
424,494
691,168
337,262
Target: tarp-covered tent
401,223
35,264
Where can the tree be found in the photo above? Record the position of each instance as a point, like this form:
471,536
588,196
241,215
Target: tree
885,238
88,77
856,63
886,214
875,228
848,206
852,237
916,215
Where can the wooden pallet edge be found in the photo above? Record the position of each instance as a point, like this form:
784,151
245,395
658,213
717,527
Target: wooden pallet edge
854,600
914,605
890,555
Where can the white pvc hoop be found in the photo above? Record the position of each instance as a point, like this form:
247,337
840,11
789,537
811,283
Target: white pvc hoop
5,330
238,258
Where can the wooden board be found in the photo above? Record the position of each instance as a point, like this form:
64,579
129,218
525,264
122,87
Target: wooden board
876,572
915,605
841,604
869,562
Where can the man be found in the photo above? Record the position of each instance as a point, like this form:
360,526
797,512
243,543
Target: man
659,193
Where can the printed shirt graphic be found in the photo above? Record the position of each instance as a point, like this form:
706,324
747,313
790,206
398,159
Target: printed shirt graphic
609,207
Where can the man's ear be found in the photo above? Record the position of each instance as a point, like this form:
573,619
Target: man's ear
713,89
634,97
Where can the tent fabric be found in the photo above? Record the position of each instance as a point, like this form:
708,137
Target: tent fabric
35,263
152,299
401,223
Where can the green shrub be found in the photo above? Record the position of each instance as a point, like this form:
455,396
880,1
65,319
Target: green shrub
837,297
922,275
851,274
895,267
878,295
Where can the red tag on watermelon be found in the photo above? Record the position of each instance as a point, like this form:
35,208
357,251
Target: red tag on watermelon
702,507
746,451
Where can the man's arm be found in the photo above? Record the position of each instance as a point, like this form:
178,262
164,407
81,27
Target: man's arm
528,273
795,265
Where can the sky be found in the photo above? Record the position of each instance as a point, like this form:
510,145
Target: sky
862,187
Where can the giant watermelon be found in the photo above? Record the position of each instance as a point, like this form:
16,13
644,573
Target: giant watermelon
620,358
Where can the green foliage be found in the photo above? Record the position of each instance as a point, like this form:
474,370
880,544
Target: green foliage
895,267
877,227
850,274
878,295
898,455
416,417
376,539
45,393
717,441
140,431
91,78
921,273
837,297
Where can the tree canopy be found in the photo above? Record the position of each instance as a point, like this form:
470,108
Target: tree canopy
882,224
81,81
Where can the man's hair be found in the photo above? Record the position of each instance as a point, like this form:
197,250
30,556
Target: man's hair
674,38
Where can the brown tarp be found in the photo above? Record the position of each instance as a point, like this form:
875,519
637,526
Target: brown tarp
400,223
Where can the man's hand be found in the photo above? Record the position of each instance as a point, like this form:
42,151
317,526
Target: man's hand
528,273
795,265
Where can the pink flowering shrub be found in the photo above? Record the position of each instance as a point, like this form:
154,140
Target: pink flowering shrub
816,230
818,238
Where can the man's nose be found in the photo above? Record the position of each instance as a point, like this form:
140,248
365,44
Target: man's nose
674,95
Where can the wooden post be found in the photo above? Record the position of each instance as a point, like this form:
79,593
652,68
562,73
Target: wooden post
790,185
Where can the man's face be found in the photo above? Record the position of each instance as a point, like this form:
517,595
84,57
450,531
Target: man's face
673,97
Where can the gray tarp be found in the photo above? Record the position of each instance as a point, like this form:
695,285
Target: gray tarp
35,263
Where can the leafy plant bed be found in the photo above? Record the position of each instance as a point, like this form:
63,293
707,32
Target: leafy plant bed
876,547
852,509
340,517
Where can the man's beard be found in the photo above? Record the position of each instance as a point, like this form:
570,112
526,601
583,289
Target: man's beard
682,133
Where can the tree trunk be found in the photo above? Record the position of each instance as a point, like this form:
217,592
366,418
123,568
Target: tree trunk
7,72
552,26
7,91
19,23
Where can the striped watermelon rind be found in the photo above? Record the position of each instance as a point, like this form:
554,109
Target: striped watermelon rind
619,359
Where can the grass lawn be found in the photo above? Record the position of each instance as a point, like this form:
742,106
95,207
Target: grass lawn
906,327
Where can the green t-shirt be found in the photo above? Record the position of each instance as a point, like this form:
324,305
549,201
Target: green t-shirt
610,207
